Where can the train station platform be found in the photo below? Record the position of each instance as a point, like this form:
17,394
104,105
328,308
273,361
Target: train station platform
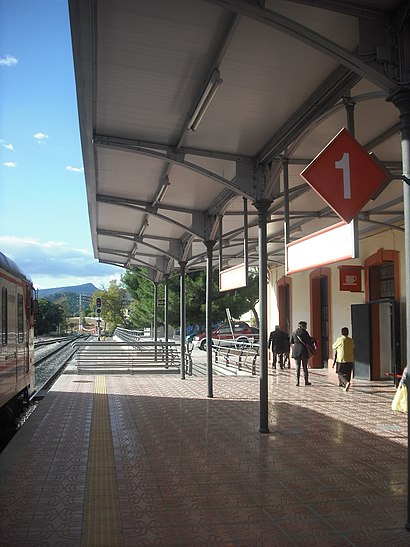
133,460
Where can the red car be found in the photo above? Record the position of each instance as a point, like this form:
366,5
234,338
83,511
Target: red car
242,332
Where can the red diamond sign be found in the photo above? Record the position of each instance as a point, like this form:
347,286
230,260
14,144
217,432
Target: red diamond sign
345,175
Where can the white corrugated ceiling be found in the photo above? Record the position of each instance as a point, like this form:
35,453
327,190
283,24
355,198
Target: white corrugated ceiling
156,190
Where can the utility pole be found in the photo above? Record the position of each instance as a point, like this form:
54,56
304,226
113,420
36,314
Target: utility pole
79,312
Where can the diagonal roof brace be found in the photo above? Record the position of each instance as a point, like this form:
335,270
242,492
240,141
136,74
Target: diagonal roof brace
176,153
311,38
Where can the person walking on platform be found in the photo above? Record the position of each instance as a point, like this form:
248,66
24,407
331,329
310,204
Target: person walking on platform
300,342
344,347
279,345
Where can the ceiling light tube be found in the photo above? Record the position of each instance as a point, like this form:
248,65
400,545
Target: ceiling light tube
204,102
163,190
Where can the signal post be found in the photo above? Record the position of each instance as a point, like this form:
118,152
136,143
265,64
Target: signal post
98,310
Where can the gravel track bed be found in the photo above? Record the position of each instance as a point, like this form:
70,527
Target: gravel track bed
50,366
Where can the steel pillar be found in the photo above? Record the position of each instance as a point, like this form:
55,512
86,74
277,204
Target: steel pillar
166,303
262,207
182,316
285,166
155,317
209,248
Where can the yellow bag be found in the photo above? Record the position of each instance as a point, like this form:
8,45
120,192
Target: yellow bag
399,403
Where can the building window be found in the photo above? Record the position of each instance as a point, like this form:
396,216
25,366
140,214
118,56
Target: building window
381,281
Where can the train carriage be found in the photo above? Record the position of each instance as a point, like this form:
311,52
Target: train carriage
17,339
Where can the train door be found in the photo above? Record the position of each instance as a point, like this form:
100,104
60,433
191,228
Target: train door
21,342
8,337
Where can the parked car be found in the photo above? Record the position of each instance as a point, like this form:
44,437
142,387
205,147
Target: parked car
242,332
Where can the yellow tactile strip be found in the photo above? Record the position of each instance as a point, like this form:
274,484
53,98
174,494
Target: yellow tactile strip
101,522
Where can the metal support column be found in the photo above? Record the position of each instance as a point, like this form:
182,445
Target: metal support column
285,165
402,101
209,248
220,240
182,316
155,318
166,303
262,207
246,239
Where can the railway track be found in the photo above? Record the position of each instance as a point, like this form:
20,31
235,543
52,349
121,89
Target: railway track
46,349
50,363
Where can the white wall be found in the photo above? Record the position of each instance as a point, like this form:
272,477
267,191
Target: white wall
340,301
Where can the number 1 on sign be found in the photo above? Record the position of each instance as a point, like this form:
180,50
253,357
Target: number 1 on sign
344,164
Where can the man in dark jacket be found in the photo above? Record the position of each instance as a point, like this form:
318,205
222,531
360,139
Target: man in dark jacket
279,345
300,342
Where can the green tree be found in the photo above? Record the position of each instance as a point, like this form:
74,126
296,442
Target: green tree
70,299
238,301
141,290
50,316
114,304
64,303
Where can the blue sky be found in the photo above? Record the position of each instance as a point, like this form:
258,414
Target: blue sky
44,223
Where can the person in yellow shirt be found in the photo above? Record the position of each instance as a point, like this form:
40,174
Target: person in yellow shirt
344,347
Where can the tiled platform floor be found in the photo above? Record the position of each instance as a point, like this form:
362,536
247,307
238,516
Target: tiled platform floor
174,467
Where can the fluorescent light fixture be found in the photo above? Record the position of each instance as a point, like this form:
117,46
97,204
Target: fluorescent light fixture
163,190
205,100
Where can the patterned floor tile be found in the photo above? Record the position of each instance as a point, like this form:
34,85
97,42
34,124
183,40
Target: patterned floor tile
192,470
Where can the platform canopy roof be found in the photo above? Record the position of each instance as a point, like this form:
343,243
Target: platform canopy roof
166,172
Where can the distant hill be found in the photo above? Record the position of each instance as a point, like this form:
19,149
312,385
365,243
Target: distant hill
87,288
71,295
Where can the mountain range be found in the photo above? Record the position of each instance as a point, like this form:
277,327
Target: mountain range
87,288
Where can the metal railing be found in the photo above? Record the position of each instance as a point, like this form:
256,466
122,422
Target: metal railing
174,348
123,357
242,355
128,335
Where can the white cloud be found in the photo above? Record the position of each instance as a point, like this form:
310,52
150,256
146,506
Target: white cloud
40,137
55,264
75,169
5,145
8,60
10,164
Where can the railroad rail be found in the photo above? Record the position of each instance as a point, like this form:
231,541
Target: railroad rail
49,341
61,344
51,365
